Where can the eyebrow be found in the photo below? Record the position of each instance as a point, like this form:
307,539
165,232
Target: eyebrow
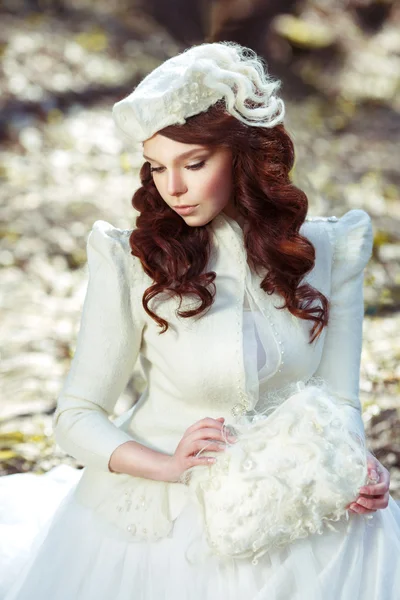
183,155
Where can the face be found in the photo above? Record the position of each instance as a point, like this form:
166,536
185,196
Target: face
191,175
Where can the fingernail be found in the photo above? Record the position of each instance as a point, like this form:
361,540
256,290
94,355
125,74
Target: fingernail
373,476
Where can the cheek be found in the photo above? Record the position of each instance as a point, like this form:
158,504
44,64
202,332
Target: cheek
218,185
161,189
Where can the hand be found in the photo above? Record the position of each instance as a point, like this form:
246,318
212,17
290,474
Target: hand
373,496
204,434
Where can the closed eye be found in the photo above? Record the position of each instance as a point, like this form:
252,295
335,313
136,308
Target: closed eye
197,166
191,167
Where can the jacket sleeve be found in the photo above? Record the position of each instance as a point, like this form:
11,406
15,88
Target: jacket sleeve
107,348
351,237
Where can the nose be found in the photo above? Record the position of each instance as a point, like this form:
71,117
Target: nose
176,185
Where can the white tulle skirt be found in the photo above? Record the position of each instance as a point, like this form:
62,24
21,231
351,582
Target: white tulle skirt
53,548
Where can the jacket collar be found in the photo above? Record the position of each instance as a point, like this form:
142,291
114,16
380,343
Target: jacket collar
228,234
222,223
227,227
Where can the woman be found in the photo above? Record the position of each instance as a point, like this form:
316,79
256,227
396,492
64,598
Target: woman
225,303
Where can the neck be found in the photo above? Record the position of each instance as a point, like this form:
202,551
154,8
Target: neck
241,221
234,214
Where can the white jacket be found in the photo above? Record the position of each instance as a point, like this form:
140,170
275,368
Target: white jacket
197,369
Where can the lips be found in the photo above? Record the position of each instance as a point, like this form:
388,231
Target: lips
186,210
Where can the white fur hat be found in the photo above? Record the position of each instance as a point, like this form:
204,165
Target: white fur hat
194,80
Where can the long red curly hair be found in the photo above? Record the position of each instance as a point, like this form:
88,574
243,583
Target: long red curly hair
176,255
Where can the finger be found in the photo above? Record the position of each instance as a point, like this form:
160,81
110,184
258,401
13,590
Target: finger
374,503
207,433
380,487
361,510
377,489
206,422
369,503
382,471
196,442
200,460
380,502
202,445
373,464
385,500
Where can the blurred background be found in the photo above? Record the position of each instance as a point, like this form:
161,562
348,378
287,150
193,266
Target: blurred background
62,166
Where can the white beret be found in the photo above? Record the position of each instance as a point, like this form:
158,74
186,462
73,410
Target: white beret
194,80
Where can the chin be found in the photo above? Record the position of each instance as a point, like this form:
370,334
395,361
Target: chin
195,222
200,220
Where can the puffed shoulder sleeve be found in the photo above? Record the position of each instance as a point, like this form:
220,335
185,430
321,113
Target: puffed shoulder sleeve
351,238
107,347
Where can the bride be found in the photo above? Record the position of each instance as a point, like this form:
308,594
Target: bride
242,472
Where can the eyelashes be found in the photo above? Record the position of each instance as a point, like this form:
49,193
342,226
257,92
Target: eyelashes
195,167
